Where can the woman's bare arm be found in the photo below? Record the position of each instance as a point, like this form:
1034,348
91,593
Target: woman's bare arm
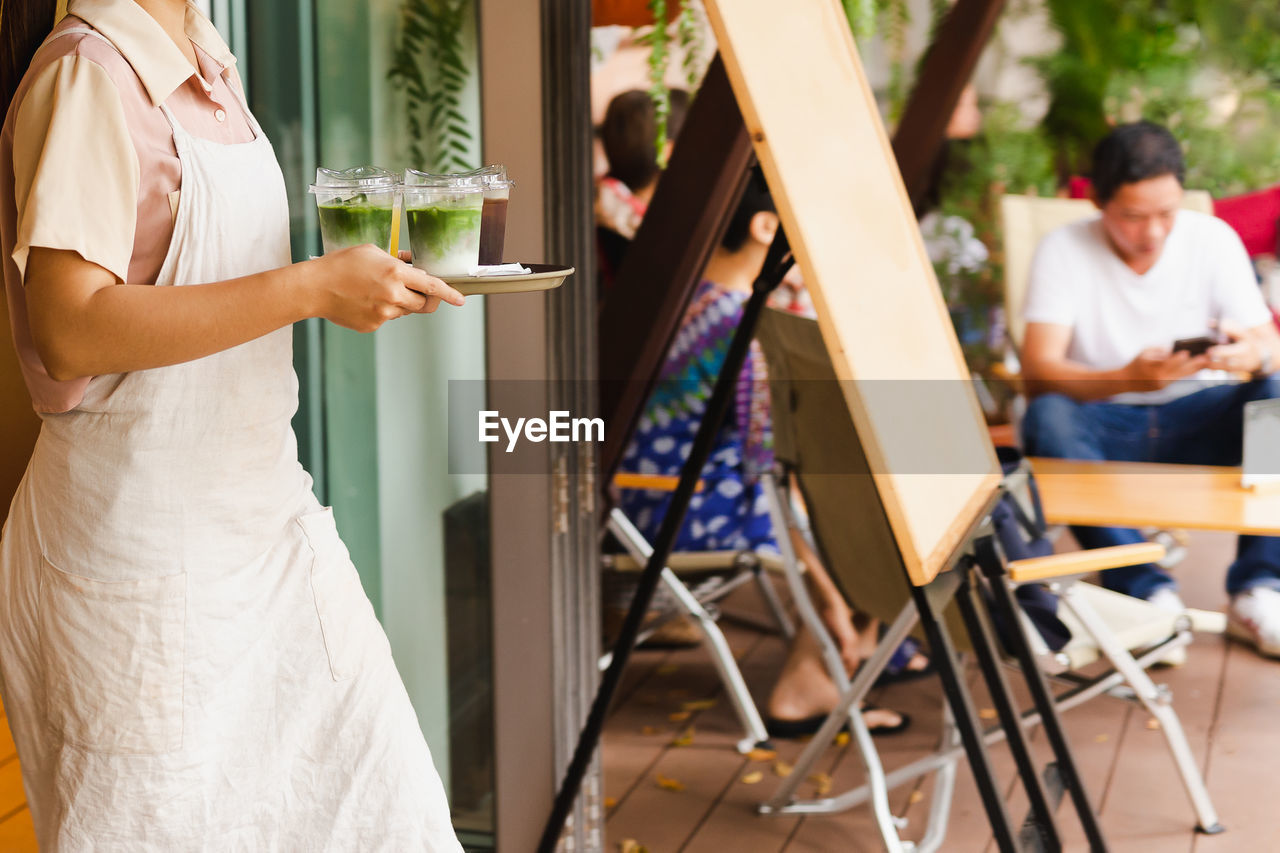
85,324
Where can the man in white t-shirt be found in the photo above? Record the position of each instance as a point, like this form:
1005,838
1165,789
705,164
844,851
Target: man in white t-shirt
1107,300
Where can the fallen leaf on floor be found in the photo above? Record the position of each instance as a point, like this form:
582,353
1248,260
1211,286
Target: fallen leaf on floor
684,738
782,768
699,705
821,784
667,669
916,796
630,845
842,739
762,754
987,714
668,784
1153,724
753,777
679,716
649,731
610,802
1101,738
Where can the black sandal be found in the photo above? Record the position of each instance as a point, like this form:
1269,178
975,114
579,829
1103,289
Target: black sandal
793,729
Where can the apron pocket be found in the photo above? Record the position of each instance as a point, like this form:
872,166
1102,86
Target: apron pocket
113,653
346,616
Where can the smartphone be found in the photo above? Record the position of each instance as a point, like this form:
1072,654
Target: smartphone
1195,346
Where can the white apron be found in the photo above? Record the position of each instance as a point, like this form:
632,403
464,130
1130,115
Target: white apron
187,658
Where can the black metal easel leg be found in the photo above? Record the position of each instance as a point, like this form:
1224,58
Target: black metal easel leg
985,648
992,566
931,600
777,262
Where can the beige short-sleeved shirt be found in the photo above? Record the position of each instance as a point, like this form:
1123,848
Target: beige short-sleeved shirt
87,160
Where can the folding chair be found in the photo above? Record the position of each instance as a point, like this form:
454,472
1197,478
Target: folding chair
817,445
734,569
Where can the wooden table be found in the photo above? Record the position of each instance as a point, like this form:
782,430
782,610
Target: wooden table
1140,494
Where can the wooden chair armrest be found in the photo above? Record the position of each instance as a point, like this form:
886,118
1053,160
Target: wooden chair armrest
655,482
1003,374
1082,562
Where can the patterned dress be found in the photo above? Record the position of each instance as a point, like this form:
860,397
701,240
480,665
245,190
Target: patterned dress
730,512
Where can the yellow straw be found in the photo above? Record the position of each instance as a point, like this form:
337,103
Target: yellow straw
395,227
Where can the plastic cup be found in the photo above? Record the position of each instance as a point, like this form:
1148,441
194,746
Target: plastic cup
493,220
357,206
444,224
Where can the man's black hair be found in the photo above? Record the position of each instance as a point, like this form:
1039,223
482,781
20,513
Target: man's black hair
1135,152
755,199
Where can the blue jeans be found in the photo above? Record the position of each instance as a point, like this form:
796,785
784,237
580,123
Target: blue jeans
1202,428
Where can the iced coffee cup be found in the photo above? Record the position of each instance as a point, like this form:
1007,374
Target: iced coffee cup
444,213
493,219
356,206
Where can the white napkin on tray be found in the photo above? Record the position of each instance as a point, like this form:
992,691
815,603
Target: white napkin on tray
498,269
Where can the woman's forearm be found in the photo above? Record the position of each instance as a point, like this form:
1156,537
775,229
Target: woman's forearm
84,324
89,331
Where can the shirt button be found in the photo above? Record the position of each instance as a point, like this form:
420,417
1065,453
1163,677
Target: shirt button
220,115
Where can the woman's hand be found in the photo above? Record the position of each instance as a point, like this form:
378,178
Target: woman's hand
363,287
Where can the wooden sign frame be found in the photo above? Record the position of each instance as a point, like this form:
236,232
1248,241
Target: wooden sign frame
817,133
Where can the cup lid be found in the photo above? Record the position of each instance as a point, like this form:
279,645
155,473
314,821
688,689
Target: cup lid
493,176
458,182
363,178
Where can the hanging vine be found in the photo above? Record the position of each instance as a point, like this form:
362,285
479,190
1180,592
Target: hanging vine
689,31
428,61
866,18
862,17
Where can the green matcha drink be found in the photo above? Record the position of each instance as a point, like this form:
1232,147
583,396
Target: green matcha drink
444,229
356,206
354,222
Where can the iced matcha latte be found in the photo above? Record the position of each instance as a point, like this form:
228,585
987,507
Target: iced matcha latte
444,223
354,222
356,206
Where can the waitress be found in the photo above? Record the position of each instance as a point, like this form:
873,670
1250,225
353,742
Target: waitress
187,657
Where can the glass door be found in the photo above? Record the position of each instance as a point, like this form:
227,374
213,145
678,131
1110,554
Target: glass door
372,423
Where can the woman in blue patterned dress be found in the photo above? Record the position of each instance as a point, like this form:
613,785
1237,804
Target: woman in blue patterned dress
729,513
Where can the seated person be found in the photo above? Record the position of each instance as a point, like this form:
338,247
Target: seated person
1107,299
627,134
730,512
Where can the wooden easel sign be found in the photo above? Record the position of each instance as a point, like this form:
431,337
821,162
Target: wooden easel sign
818,135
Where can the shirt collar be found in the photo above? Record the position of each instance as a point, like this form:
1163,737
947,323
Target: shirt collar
158,62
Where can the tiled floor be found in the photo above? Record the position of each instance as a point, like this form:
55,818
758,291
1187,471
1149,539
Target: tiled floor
1227,697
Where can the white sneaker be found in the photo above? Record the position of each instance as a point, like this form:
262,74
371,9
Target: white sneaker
1254,616
1168,600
